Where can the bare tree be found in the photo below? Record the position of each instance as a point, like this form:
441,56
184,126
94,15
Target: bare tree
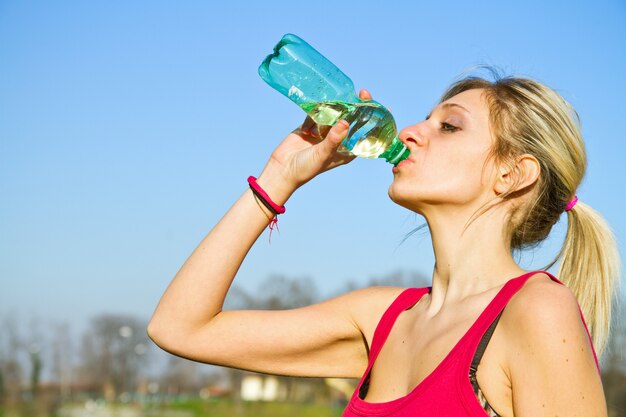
401,279
34,351
112,353
36,365
2,387
61,358
398,278
11,367
181,376
279,292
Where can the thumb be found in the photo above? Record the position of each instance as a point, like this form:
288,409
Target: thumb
335,136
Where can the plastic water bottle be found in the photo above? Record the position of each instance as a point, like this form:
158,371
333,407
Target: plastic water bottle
327,95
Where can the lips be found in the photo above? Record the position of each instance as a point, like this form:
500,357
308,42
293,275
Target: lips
405,162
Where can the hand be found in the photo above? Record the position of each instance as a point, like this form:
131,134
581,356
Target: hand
313,129
305,153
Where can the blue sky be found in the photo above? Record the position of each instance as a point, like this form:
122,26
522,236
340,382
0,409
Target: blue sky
127,129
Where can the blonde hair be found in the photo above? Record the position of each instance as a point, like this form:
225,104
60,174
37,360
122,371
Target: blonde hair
527,117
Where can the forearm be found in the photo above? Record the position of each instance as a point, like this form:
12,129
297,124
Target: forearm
197,292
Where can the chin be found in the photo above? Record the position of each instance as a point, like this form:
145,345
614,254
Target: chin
403,197
417,197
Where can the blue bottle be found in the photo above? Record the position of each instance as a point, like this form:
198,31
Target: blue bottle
327,95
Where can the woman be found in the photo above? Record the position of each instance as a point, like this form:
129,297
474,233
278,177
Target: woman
492,169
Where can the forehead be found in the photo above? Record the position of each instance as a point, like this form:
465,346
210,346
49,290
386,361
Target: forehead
473,100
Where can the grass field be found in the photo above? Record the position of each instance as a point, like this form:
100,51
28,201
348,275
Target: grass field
182,408
221,408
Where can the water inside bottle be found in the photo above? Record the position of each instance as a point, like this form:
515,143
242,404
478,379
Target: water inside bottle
372,128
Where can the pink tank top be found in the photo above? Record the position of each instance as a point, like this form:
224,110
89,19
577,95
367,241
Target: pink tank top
446,391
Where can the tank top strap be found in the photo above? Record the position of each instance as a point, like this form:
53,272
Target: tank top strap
497,305
406,299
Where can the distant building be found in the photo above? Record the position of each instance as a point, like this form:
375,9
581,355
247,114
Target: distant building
256,387
261,387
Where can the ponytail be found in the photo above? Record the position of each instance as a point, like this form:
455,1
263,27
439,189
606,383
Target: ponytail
590,267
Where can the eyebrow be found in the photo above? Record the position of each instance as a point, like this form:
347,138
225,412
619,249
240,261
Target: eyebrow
448,105
454,105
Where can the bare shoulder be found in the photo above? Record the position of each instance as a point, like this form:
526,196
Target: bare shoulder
367,305
372,300
542,302
548,347
544,316
375,295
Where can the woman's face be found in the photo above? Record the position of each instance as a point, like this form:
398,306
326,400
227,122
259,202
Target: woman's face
449,162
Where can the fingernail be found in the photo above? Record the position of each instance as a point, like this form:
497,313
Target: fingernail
343,124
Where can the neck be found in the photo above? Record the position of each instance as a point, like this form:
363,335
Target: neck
471,258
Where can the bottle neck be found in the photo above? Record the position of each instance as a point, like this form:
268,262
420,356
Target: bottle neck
396,153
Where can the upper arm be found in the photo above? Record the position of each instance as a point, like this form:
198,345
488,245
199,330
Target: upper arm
550,360
330,338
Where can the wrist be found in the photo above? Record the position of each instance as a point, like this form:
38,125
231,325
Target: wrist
276,185
264,198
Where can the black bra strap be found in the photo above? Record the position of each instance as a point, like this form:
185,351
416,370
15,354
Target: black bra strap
474,367
483,345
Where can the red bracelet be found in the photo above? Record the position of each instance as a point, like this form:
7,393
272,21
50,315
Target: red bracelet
265,199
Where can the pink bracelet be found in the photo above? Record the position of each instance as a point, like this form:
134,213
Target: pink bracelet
265,199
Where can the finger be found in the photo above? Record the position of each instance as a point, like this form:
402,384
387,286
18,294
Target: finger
307,126
335,136
310,131
323,130
365,95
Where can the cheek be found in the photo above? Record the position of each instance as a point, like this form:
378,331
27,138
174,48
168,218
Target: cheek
463,170
468,174
459,177
453,167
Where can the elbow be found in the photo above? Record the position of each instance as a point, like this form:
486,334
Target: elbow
179,336
171,336
164,337
155,332
178,341
161,334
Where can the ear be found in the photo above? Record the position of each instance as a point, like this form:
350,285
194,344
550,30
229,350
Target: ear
517,175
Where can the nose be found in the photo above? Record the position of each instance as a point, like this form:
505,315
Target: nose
414,135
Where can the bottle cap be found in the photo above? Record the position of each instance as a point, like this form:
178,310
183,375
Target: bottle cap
396,153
